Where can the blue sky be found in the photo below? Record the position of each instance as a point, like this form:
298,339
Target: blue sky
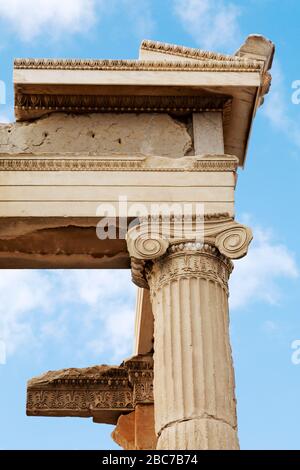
51,320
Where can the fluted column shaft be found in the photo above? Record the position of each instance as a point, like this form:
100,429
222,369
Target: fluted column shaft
195,406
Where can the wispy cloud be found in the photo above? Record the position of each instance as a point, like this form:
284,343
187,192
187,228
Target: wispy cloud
31,18
213,24
91,313
18,300
94,309
276,107
257,277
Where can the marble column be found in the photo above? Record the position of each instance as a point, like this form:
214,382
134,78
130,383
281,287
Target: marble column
195,404
194,389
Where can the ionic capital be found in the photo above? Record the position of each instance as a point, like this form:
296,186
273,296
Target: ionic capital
157,237
233,241
147,241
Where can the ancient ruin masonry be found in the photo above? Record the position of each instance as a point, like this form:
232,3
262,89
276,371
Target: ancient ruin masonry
170,129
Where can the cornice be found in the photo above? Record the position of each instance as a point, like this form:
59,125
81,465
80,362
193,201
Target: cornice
187,52
212,65
92,392
38,93
120,104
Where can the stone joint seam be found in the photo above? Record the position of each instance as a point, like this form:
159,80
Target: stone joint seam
201,417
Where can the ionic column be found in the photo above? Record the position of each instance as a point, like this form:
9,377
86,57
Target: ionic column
194,390
195,404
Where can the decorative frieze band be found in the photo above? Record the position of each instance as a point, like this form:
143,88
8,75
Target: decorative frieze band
80,402
92,392
15,162
28,164
184,262
187,52
138,65
122,104
140,374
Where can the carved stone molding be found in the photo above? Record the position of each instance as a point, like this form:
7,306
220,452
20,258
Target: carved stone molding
122,103
234,241
187,52
72,164
159,237
144,245
213,65
140,374
138,273
216,163
89,162
186,260
101,392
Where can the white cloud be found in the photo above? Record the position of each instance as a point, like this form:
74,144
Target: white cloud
30,18
257,276
276,109
95,307
118,330
90,313
54,18
21,293
213,24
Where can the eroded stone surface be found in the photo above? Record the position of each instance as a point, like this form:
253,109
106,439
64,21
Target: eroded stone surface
208,133
145,437
58,242
124,432
135,431
100,392
149,134
94,372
